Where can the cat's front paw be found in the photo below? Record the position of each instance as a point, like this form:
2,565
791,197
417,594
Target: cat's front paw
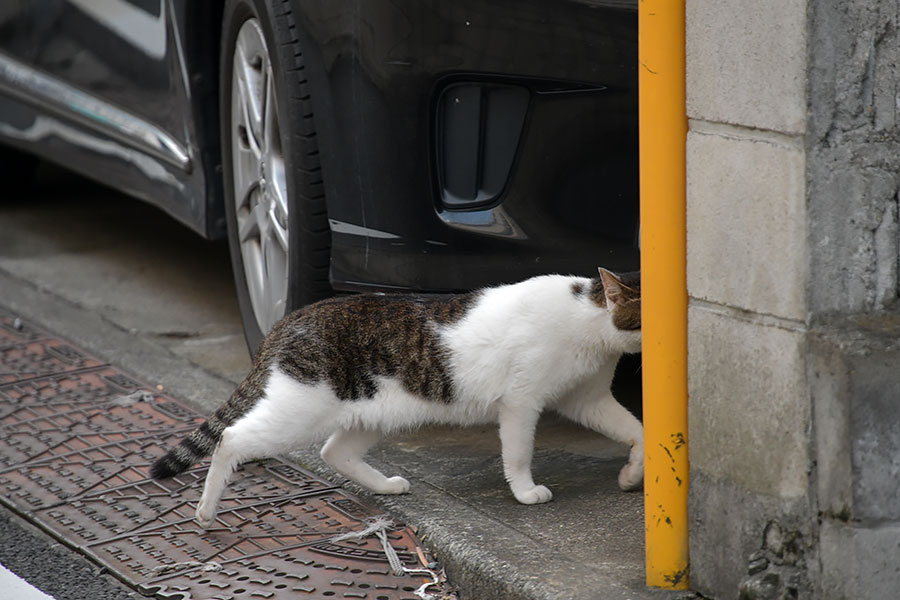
205,515
631,476
536,495
394,485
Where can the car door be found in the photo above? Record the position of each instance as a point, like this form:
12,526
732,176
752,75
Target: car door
100,86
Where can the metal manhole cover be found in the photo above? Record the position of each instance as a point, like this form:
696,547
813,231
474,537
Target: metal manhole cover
77,438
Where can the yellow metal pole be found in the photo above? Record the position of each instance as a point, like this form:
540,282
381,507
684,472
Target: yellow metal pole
663,134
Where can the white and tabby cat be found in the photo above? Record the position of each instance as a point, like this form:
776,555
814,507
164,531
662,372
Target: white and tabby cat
356,368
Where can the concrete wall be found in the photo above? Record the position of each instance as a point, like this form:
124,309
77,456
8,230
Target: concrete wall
793,171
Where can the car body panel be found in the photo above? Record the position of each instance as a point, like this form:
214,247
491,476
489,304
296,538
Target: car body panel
572,200
132,103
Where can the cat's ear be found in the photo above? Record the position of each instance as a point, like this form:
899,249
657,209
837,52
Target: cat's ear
612,287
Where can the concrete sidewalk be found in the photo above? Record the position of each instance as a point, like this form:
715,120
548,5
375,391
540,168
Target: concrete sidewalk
586,544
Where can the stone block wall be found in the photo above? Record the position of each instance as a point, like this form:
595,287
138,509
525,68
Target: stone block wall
793,172
746,264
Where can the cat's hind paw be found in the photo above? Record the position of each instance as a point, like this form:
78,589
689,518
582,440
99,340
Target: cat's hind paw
394,485
536,495
205,515
631,476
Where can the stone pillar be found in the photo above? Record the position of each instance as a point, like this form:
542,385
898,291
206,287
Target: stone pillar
793,167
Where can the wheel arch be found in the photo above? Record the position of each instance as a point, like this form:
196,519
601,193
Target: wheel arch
200,34
316,34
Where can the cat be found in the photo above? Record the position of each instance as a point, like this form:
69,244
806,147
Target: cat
354,368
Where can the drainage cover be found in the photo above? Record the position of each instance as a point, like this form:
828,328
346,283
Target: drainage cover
77,437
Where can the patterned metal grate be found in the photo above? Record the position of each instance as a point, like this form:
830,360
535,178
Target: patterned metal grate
77,437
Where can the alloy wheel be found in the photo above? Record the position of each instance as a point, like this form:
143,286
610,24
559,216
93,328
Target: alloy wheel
260,187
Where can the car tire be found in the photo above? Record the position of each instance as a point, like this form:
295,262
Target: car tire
275,208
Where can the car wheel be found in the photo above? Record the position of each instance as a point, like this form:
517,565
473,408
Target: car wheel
274,201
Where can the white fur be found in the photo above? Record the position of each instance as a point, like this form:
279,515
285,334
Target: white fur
520,349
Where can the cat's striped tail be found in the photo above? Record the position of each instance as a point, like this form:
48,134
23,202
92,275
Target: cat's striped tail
202,441
194,447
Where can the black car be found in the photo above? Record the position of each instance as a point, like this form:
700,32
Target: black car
429,145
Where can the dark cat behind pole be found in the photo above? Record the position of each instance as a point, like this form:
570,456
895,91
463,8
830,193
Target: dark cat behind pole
356,368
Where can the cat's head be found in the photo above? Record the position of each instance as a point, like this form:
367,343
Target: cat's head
621,294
